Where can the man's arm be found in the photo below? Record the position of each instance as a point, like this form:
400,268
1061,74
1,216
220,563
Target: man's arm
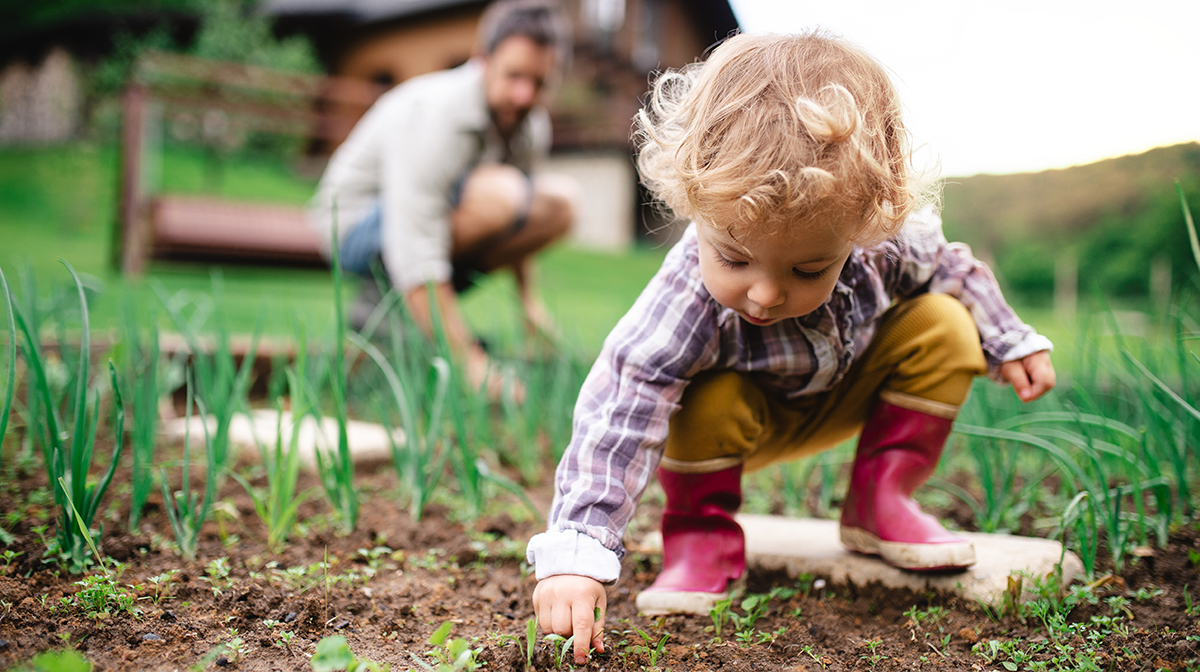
458,336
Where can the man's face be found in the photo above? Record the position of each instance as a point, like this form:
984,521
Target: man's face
514,79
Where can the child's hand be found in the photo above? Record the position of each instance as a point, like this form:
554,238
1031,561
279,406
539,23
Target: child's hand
566,605
1030,377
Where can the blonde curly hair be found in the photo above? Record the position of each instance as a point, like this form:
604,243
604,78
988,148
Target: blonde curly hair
779,129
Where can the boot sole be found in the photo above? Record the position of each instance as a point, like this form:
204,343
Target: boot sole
915,557
683,602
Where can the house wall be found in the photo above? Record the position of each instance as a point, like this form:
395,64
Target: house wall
41,103
605,218
396,52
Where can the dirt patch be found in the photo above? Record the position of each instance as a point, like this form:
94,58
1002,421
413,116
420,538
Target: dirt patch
392,582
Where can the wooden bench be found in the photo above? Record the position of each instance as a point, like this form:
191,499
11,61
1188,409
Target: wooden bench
222,100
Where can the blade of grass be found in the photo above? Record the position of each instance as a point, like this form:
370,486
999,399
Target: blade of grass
11,377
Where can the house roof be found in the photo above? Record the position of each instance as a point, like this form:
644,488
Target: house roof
361,11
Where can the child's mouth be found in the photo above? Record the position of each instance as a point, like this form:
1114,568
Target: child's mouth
755,321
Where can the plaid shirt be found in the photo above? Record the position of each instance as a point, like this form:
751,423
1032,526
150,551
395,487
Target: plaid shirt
676,329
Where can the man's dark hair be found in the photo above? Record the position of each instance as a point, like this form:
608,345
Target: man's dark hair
542,21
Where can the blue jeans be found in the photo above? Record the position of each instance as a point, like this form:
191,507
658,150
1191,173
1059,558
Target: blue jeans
363,244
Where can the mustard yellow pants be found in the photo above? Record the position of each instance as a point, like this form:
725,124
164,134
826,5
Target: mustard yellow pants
924,356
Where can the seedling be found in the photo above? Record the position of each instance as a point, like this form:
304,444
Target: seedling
100,595
333,654
531,636
451,655
808,650
651,649
871,656
1189,608
162,585
562,646
720,616
11,380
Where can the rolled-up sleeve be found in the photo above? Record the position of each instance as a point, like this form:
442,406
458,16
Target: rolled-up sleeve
926,262
621,422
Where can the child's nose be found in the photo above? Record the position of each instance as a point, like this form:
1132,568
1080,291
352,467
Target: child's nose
766,293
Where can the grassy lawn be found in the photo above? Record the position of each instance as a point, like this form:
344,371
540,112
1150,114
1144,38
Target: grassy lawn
60,202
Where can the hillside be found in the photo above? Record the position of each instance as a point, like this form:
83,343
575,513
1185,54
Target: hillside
1115,215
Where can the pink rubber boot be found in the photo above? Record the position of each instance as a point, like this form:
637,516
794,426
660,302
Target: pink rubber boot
897,452
704,549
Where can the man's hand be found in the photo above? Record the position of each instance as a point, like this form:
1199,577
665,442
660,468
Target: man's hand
482,373
566,604
1030,377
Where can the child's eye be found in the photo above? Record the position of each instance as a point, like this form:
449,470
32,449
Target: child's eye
806,275
721,259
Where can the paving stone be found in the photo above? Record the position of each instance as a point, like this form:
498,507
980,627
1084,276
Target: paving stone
368,441
808,546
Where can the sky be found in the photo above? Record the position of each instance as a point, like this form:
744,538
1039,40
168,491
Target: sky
1021,85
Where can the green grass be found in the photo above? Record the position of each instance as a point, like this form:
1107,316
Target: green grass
61,202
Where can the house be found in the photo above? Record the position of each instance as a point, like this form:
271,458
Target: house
618,44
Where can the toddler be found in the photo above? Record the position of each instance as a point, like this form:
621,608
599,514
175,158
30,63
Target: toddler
812,298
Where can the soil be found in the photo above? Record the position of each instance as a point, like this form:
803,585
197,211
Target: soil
472,574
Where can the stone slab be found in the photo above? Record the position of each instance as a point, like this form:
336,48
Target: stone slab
368,441
809,546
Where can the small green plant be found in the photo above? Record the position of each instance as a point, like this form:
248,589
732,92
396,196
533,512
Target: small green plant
100,595
561,646
808,651
142,379
10,384
531,637
451,655
65,660
720,617
162,585
278,504
333,653
236,648
186,511
649,648
1189,608
217,574
872,656
336,468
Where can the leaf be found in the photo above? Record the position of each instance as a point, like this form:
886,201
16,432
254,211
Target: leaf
441,633
333,653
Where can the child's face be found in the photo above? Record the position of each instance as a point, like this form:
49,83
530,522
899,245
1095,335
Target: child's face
767,278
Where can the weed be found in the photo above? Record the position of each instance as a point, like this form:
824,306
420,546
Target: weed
561,646
236,648
651,649
720,616
530,640
185,510
11,379
337,467
451,655
217,571
872,656
66,660
808,650
277,506
333,653
162,585
100,596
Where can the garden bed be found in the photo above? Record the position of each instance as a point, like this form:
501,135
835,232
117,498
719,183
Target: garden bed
393,581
